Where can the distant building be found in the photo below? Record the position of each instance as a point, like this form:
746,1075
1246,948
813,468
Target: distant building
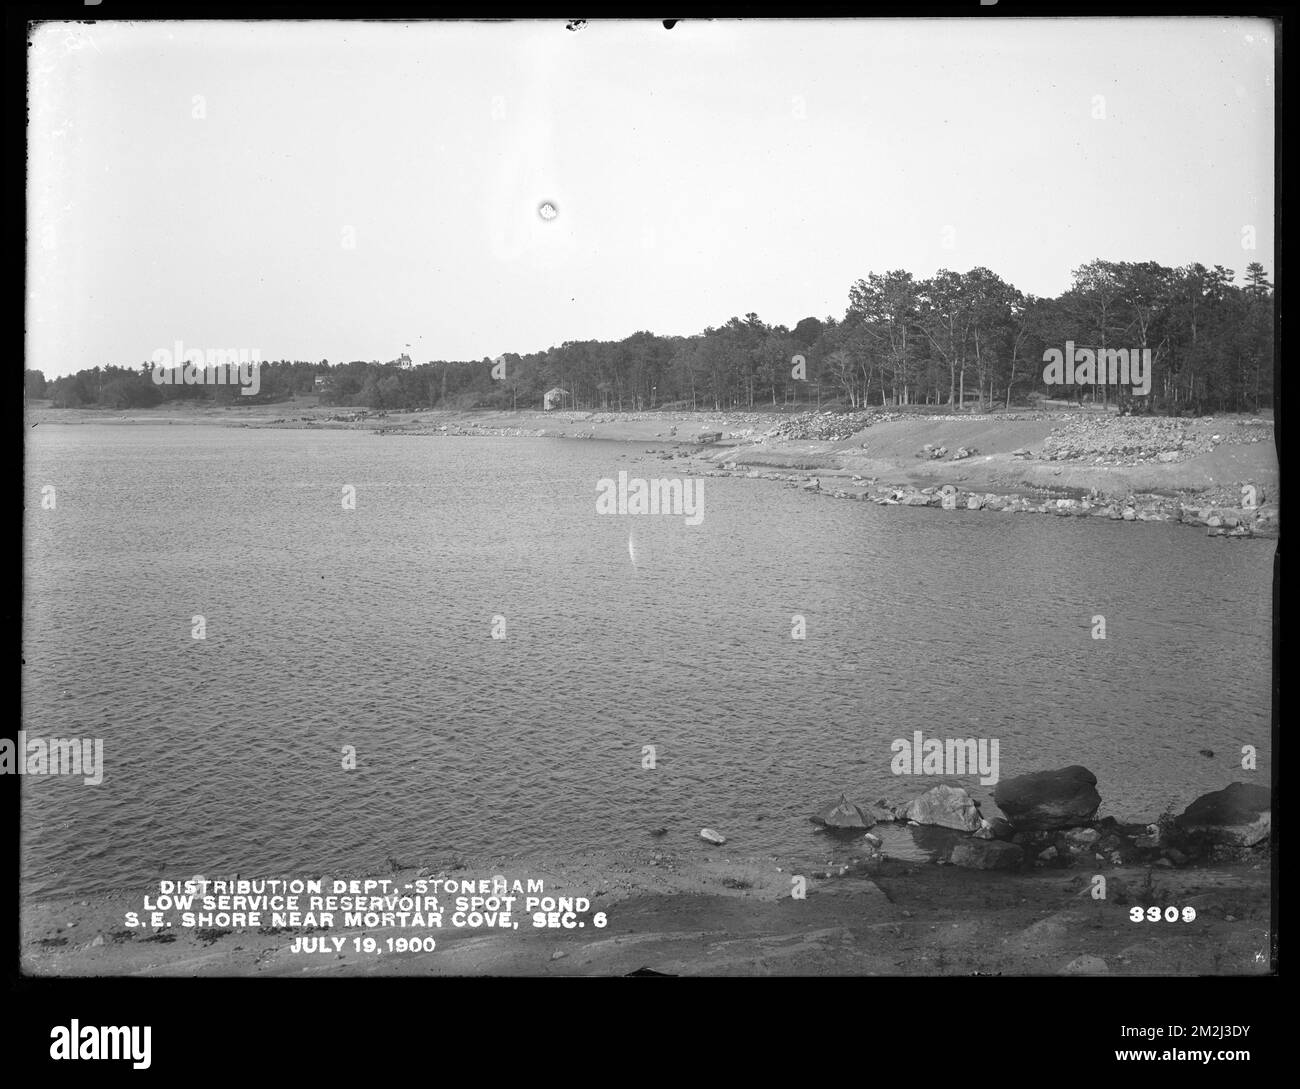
554,398
323,384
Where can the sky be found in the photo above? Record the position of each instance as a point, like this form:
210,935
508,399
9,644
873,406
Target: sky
341,190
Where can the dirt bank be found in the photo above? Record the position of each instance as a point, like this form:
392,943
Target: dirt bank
696,910
1205,460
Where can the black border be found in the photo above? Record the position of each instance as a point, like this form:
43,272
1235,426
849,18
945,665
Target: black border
224,1028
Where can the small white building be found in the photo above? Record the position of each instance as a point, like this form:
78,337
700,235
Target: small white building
554,398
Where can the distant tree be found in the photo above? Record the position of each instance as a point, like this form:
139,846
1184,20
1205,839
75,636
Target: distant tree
1257,285
805,334
133,392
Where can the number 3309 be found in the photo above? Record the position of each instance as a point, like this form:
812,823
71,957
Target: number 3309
1155,914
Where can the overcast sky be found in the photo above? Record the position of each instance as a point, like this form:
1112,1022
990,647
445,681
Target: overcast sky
340,190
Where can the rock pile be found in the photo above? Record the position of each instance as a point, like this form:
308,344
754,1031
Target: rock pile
1051,821
1136,440
824,426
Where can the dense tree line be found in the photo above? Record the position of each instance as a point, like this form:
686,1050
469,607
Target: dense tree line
956,339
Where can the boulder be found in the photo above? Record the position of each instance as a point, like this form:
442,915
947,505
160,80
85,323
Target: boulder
843,815
1239,815
987,854
1048,800
710,836
947,807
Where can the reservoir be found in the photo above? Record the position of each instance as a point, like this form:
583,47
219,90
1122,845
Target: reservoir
372,628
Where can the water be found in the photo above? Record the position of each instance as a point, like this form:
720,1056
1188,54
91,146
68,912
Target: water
373,628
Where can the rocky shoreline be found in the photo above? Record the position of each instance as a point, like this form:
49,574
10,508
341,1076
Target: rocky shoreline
1218,474
1261,520
1045,889
1074,451
1049,819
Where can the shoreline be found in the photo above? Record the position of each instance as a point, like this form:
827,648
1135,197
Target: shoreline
988,900
1066,463
703,911
679,905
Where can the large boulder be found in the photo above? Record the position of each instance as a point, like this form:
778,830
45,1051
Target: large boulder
987,854
946,806
1239,815
1046,800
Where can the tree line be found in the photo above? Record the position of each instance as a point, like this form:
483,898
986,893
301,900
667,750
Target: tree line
956,339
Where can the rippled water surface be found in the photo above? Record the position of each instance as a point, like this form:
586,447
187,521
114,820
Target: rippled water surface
373,628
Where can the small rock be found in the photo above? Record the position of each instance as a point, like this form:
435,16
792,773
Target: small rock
1087,965
710,836
1082,838
1047,855
979,854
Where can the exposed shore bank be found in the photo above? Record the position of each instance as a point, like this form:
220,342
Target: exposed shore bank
683,906
1083,463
